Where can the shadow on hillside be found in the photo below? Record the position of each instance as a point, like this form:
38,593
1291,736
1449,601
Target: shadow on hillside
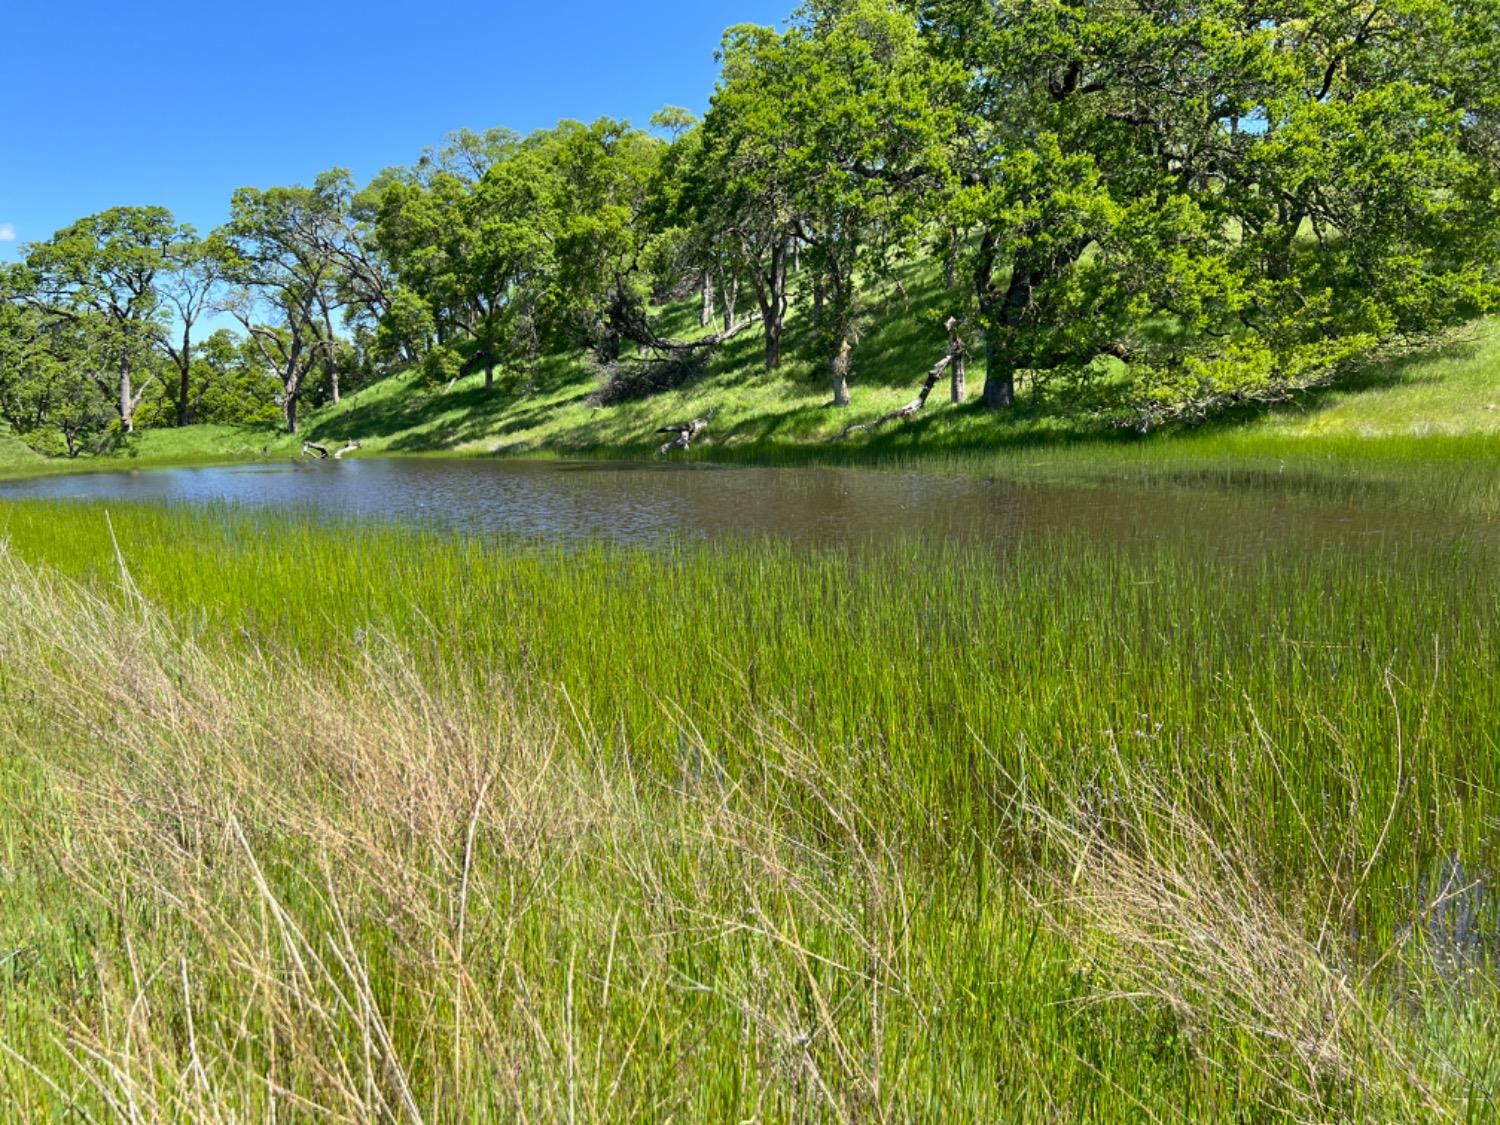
1376,373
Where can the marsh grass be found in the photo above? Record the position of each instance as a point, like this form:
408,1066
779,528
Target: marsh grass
361,823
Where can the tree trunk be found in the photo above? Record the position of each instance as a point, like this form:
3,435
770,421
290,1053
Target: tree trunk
1000,369
770,292
127,400
290,411
706,314
184,395
732,305
958,370
999,379
333,355
489,376
818,295
841,373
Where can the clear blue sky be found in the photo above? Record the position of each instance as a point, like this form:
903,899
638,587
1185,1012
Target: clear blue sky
178,103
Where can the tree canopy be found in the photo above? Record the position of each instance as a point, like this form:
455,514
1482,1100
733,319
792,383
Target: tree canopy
1150,210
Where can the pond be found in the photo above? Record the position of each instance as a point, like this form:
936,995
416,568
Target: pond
649,503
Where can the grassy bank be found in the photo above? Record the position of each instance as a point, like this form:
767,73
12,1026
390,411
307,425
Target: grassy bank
1450,389
365,823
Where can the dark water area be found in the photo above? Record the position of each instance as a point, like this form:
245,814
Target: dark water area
643,503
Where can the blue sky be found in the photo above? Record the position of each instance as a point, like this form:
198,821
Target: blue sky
179,103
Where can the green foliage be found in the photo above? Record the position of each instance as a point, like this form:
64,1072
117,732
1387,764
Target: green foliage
440,366
1309,180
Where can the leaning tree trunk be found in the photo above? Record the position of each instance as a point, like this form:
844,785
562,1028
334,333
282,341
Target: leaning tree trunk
841,373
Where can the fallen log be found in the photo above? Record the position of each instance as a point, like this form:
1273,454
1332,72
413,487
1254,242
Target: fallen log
956,359
686,433
322,453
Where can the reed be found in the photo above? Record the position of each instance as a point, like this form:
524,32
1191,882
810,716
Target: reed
369,823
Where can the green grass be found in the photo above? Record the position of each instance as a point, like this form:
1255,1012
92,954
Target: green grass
379,819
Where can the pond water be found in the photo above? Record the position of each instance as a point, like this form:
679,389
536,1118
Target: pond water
650,503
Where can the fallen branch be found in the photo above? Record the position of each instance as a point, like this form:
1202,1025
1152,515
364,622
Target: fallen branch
956,359
686,433
313,449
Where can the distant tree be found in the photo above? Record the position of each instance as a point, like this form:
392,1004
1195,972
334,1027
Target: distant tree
279,259
104,269
740,192
510,220
870,122
51,395
189,284
606,172
232,383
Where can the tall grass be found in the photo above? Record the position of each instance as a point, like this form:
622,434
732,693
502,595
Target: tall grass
369,824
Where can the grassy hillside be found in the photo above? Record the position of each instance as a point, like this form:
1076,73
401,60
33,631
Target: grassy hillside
14,453
1451,388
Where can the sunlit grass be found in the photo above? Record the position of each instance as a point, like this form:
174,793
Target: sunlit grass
404,824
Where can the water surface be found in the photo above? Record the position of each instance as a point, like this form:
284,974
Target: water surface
651,503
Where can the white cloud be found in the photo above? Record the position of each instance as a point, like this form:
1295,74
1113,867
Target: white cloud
7,232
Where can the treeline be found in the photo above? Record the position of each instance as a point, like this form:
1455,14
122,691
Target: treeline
1187,204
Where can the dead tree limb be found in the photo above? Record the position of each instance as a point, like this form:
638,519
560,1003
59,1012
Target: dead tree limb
956,360
321,452
686,433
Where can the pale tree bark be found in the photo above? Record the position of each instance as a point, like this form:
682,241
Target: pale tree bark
958,389
706,313
731,294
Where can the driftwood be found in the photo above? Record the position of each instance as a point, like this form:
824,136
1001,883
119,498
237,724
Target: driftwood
955,361
686,432
313,449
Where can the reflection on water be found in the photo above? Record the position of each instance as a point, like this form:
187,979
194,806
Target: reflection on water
647,503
